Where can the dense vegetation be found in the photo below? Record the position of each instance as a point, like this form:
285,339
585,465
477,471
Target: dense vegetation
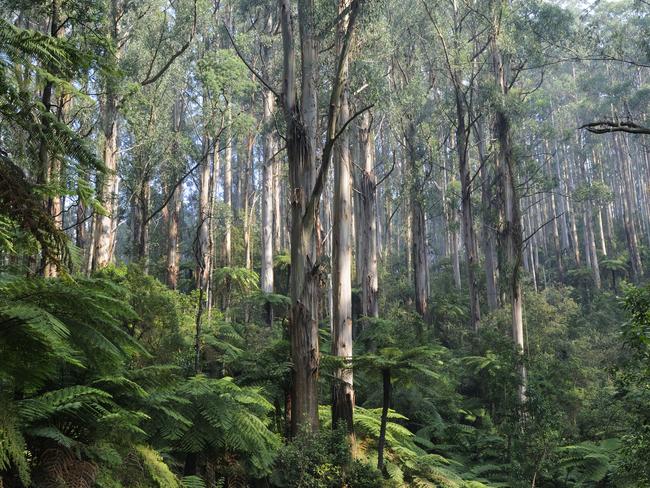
313,244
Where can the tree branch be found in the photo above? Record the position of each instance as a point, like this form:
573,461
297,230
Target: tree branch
173,57
332,116
606,126
250,68
541,227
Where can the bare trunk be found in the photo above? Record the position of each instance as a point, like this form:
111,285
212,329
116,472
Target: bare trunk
206,182
266,274
589,232
418,229
50,164
247,203
107,183
173,254
306,183
368,236
227,192
385,405
488,222
305,275
342,385
628,210
278,212
175,203
141,227
471,252
572,214
555,215
510,232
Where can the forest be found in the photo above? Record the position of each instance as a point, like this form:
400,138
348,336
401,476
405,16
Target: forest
324,243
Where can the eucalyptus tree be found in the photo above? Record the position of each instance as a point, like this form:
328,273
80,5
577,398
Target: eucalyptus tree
175,28
463,51
412,81
306,179
342,386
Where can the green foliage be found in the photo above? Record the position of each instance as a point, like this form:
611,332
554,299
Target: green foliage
633,387
585,462
320,461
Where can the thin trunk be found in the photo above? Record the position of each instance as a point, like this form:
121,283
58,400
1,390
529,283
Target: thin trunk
381,441
555,228
418,229
227,192
342,385
173,238
175,204
488,222
266,274
471,252
141,231
368,216
628,210
49,164
247,203
278,213
107,183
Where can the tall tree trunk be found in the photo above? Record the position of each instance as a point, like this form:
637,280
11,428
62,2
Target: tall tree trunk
418,229
175,203
107,183
305,273
628,209
266,274
306,183
471,252
572,211
227,191
368,235
173,239
555,215
141,224
50,164
589,230
488,222
204,242
247,203
279,234
342,385
510,232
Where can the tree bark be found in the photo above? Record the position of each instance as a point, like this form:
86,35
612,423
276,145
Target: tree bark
385,405
247,203
227,191
368,221
50,164
305,273
141,227
628,209
342,385
174,204
488,225
418,229
107,183
266,274
471,253
306,183
510,231
555,215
